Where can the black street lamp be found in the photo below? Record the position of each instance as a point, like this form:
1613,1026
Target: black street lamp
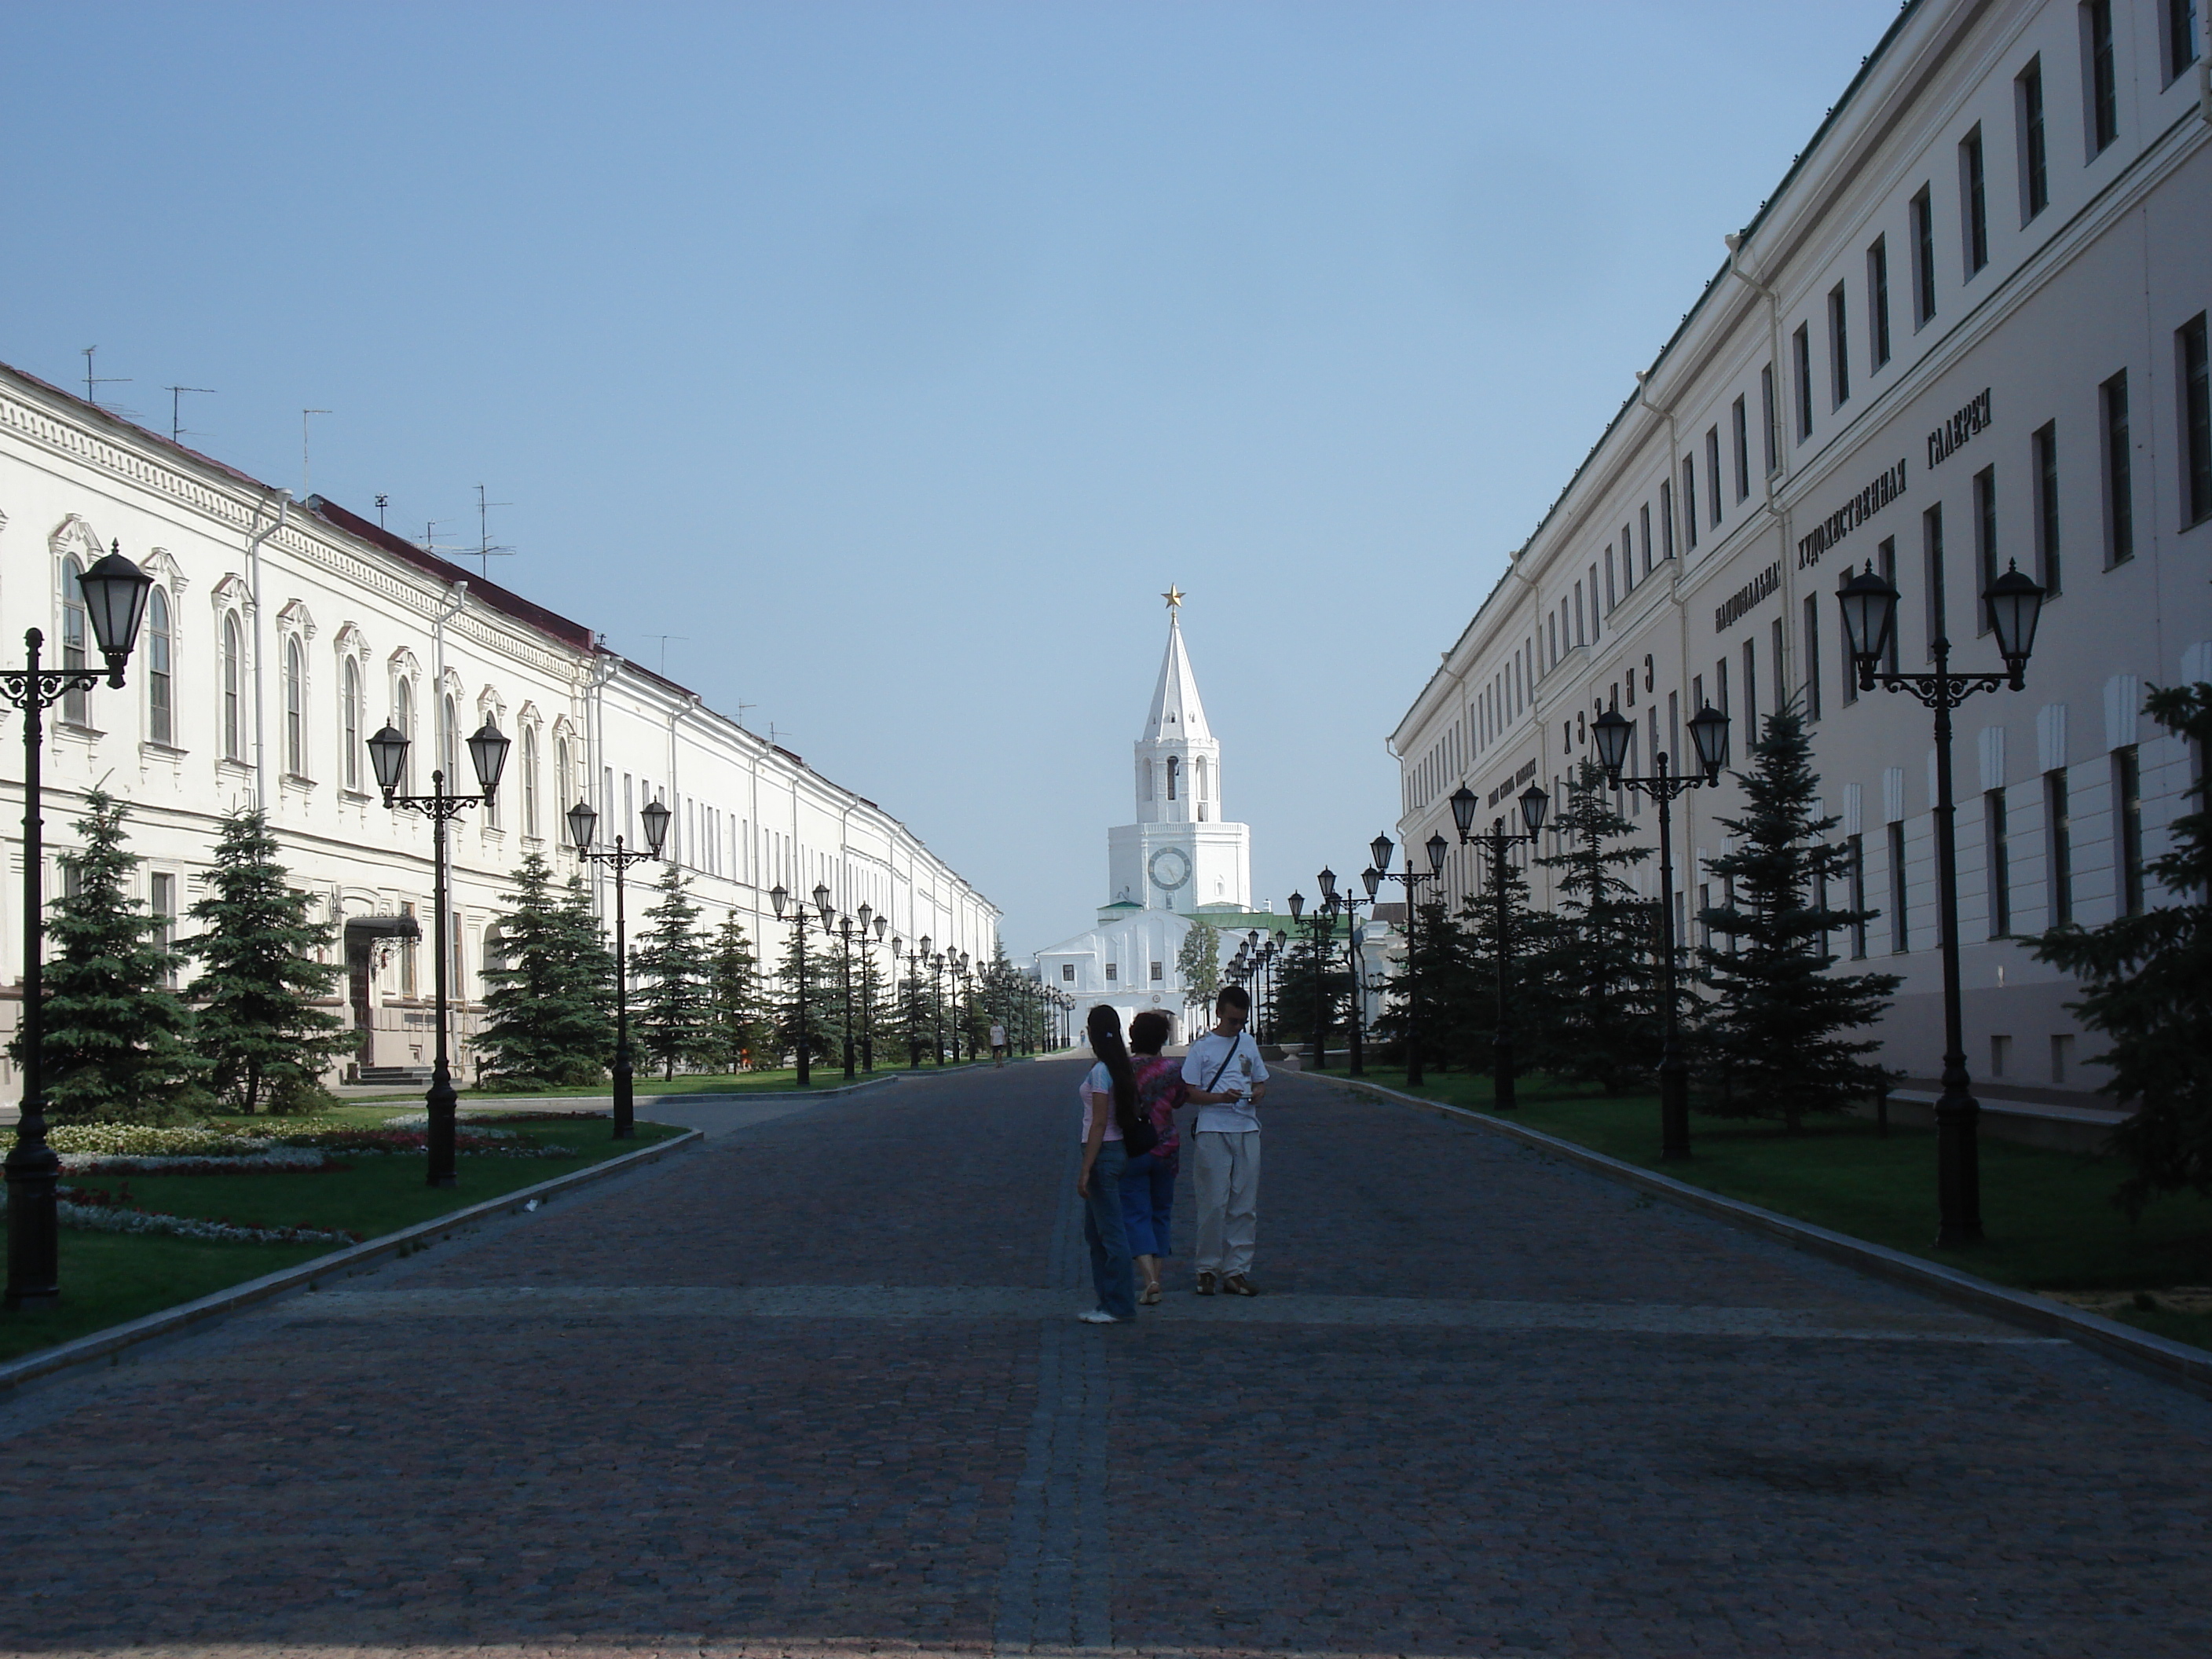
964,988
115,592
937,1000
1709,736
845,979
583,823
387,758
1324,918
880,925
1381,849
2014,604
780,896
1349,903
1534,802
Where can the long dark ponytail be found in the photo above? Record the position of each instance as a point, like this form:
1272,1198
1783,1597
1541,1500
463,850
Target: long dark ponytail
1104,1027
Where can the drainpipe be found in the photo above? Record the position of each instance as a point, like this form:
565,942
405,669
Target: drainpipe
675,800
253,583
1773,356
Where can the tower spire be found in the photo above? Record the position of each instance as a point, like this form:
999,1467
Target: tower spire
1177,712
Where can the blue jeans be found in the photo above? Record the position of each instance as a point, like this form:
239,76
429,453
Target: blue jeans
1147,1201
1101,1230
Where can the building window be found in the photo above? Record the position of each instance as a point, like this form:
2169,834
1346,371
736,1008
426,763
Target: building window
162,905
1811,656
1985,538
2102,73
2000,862
1770,418
2195,422
1175,775
1627,561
2045,448
350,739
408,953
1878,300
530,781
1839,349
76,708
161,670
1644,518
402,720
233,719
449,743
2180,37
1857,871
295,726
1885,561
561,787
1067,973
1750,692
1800,347
1158,976
1899,939
1666,520
2119,473
2058,821
1690,499
1580,638
2034,171
1721,683
1923,258
1612,597
1740,431
1713,472
1113,972
1931,561
2127,783
1973,202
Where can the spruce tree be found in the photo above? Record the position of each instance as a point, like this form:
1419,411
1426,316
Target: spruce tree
549,1020
1306,981
823,1032
1466,1002
116,1044
259,1028
735,1020
2149,985
668,977
1779,1026
1454,1013
1597,954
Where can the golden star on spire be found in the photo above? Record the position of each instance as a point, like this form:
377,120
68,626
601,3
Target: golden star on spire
1174,596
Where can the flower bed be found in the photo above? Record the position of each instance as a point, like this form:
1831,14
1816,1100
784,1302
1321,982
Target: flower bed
94,1210
114,1147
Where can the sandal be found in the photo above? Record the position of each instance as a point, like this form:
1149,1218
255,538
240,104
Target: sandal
1149,1297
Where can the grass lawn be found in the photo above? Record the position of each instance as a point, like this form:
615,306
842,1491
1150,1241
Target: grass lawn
2051,1222
108,1277
831,1076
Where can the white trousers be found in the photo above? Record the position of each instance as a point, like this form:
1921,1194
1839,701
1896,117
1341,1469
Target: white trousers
1227,1177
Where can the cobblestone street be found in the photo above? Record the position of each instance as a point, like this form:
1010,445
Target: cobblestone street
813,1388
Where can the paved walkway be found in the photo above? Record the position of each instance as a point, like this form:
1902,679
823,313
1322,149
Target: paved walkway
812,1389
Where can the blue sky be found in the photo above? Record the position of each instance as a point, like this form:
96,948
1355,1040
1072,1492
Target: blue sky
897,356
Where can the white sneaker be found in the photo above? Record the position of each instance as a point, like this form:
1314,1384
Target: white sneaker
1100,1316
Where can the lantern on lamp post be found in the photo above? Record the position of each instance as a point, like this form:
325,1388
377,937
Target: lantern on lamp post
583,825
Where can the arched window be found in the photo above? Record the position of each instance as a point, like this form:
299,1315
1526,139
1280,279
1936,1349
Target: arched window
76,704
449,743
1174,770
561,801
161,690
530,781
403,719
349,732
1198,768
234,717
295,723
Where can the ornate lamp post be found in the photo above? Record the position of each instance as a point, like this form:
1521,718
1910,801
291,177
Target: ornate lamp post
844,931
1708,735
1349,903
966,994
2014,604
881,924
1534,802
115,592
936,1001
387,758
1321,922
780,896
583,822
1413,878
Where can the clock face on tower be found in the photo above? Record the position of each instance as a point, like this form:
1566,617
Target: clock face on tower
1171,868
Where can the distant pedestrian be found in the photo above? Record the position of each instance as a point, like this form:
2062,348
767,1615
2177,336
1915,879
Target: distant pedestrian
998,1043
1148,1179
1109,1111
1227,1079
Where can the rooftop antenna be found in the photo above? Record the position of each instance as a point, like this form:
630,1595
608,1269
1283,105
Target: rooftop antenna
741,714
304,415
93,381
663,639
382,501
176,409
484,551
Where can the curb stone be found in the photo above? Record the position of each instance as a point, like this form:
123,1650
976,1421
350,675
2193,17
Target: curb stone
2169,1361
166,1322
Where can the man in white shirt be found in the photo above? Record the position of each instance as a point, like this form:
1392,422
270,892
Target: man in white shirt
998,1043
1226,1079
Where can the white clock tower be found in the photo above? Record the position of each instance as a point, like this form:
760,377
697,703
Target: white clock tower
1180,854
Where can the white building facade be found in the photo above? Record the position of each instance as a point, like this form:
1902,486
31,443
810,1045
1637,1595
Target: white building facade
1968,329
281,633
